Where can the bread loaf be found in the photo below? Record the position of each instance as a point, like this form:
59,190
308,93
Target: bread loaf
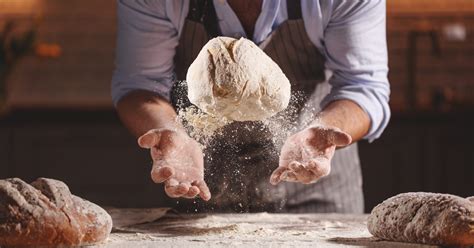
45,213
428,218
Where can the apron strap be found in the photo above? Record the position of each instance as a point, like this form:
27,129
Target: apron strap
294,9
202,11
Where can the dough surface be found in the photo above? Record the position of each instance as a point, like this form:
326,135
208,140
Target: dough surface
236,80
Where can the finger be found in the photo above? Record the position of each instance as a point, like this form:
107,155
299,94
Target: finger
204,191
275,178
183,188
171,188
161,174
340,138
172,182
172,191
149,139
288,176
295,165
192,192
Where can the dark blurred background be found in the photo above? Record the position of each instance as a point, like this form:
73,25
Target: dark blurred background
57,120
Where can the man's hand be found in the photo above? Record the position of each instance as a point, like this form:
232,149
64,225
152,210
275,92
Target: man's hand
306,156
177,161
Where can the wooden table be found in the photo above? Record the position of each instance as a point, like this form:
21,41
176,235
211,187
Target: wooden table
250,230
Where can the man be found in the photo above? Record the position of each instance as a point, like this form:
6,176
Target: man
157,41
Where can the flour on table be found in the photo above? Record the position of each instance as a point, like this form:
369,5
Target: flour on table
254,230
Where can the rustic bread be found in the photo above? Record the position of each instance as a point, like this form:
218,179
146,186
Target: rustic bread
428,218
45,213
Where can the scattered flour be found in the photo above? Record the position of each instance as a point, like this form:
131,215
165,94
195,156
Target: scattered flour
201,126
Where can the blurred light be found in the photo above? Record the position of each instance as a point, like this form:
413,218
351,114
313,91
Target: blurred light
48,50
455,32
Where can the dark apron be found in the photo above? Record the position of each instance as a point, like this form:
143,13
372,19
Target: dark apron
238,163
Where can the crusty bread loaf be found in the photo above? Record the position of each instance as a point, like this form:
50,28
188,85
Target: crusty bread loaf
428,218
45,213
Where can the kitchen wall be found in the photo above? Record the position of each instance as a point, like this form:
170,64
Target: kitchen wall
61,123
431,54
80,76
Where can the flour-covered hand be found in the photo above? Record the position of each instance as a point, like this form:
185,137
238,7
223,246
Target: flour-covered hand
306,156
177,162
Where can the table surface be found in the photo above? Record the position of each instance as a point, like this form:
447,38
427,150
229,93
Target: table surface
250,230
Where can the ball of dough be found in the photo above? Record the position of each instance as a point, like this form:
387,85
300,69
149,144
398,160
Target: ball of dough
236,80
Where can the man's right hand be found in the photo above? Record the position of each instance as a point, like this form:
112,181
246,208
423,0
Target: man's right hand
177,162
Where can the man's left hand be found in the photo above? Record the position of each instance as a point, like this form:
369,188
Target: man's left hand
306,156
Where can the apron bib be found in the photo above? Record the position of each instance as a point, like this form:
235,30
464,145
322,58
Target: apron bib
239,162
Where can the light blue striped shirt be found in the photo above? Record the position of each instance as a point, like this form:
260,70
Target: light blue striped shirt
350,33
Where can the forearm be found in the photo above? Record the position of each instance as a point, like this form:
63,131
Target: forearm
347,116
141,111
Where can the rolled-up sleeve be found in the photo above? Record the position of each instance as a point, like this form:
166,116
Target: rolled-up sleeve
356,51
146,40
